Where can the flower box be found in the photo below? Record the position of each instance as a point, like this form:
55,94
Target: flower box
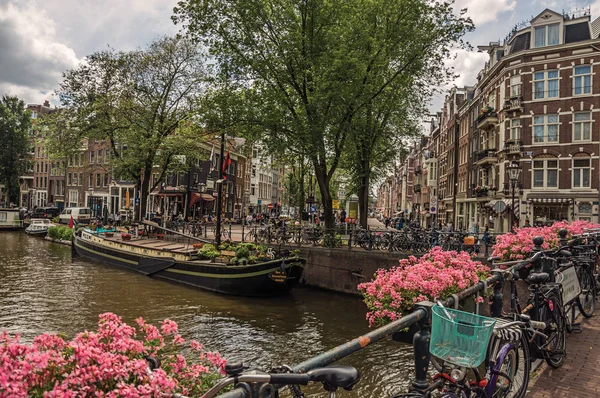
227,253
125,237
198,245
160,236
109,234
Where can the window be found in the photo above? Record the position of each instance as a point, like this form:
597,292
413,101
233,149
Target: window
581,173
582,126
92,154
545,84
81,160
34,115
90,181
105,180
515,86
253,171
582,80
80,181
585,208
546,35
99,156
492,99
98,179
545,128
545,173
253,189
515,129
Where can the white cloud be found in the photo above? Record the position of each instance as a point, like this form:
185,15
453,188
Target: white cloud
483,11
32,59
467,65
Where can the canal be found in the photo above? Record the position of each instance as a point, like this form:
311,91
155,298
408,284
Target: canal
42,289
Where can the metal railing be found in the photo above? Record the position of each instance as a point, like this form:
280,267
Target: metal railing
420,316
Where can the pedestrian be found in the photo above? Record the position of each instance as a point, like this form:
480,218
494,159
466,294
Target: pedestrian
476,228
400,224
386,223
527,225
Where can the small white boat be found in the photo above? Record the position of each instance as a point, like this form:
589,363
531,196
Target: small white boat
38,226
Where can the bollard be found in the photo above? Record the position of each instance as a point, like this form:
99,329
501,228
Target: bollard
243,231
563,237
421,347
230,236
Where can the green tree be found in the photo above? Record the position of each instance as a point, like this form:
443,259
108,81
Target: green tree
142,102
15,122
306,68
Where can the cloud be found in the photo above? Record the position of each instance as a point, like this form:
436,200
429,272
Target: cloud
467,65
483,11
32,60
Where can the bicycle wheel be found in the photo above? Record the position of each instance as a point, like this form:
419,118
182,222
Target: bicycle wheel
587,298
552,314
512,378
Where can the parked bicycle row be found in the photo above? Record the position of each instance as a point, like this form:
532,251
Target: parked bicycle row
474,356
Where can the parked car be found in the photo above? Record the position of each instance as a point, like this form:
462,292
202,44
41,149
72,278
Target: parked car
81,215
45,212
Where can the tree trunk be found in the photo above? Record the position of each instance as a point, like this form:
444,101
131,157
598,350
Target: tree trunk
363,197
144,191
322,180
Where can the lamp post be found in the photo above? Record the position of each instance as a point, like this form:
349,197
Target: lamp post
514,171
220,191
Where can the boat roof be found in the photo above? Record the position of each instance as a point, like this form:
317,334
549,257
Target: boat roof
40,221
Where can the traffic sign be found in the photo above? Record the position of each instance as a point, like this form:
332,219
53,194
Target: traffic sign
259,201
270,206
313,209
335,204
137,200
342,194
433,210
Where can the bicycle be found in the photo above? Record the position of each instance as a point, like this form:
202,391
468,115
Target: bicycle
224,232
258,384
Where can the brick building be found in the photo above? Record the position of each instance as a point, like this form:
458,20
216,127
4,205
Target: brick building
536,105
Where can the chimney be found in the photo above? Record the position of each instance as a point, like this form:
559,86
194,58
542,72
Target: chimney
47,104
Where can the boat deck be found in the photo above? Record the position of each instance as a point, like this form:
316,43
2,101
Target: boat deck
163,245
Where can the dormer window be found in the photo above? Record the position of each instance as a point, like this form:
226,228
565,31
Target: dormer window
547,35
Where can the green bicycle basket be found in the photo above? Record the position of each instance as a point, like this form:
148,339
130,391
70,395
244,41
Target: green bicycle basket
459,337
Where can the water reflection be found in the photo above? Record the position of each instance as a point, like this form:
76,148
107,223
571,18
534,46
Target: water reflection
43,289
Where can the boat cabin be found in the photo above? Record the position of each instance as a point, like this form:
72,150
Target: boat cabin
10,220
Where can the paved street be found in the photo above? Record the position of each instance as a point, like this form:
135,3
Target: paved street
579,376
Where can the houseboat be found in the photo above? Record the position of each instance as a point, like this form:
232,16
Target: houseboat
180,262
38,227
10,220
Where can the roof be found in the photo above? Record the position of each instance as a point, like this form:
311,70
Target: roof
577,32
521,42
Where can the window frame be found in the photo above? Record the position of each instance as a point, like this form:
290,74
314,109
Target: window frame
582,77
546,37
581,131
545,125
546,81
544,170
580,171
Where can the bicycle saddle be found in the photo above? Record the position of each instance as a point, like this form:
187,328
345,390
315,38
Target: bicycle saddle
335,376
537,278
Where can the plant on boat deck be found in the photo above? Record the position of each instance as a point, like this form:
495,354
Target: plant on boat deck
60,233
107,362
209,251
438,274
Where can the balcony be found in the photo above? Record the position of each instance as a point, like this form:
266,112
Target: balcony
486,156
513,147
487,119
513,104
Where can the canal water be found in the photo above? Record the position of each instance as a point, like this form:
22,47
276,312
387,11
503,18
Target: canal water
42,289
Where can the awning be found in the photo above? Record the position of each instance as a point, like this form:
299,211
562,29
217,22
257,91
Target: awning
551,200
200,196
170,194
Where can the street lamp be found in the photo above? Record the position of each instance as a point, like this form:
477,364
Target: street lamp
514,171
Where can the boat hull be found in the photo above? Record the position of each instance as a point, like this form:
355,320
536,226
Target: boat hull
36,232
264,279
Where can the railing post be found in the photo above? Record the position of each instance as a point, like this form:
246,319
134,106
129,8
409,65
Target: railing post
421,347
498,298
230,236
243,230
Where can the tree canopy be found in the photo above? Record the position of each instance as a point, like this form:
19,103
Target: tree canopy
15,122
141,102
307,69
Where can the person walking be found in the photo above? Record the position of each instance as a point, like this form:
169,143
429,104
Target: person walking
386,223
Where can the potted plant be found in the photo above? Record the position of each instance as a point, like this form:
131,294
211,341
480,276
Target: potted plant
125,237
160,236
109,234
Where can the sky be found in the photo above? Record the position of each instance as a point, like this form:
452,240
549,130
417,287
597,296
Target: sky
39,40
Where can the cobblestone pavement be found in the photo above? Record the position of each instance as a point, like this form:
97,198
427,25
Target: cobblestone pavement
578,376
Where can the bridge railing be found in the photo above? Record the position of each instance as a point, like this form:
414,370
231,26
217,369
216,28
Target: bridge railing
420,316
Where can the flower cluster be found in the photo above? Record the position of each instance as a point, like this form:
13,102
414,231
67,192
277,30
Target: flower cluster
438,274
108,362
518,245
